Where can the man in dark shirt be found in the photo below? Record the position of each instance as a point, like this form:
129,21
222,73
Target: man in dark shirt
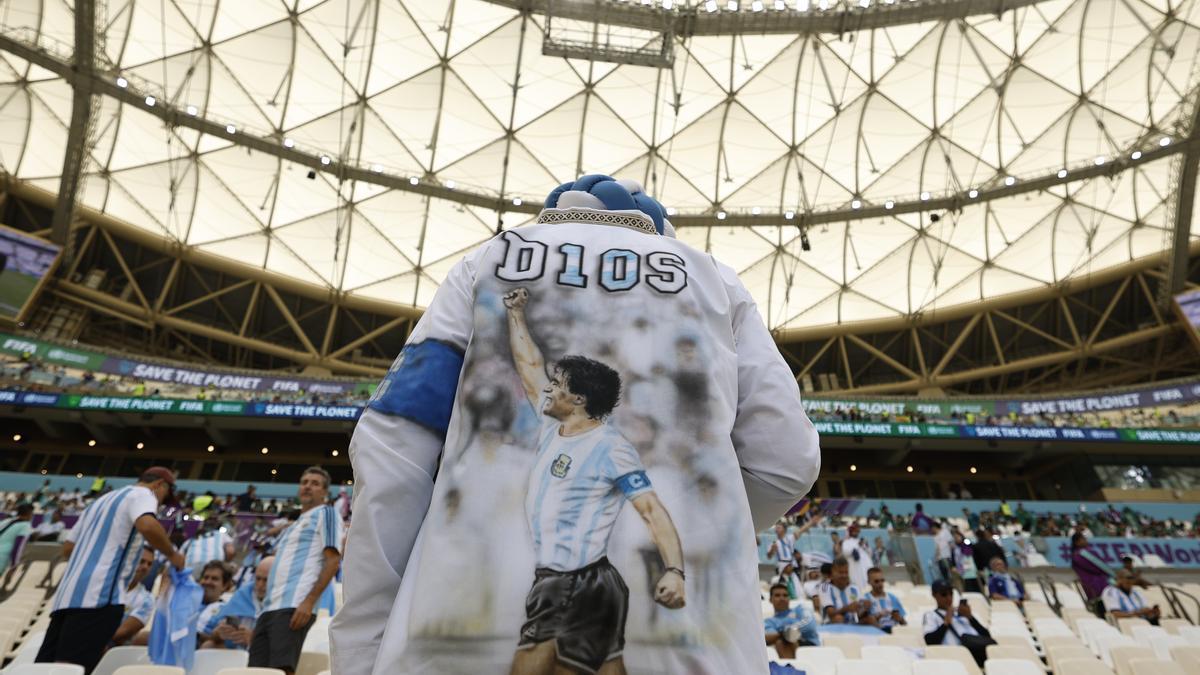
245,501
985,549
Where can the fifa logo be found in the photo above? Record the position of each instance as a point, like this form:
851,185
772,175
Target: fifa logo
561,465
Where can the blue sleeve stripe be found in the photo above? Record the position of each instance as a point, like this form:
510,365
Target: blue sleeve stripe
421,385
634,483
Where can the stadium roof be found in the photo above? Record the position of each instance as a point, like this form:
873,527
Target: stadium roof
1042,139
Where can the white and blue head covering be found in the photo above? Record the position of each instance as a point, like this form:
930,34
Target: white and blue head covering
597,192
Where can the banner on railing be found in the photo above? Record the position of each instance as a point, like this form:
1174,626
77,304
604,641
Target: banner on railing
1174,552
158,372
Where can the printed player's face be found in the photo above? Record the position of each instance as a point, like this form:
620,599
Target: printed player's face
559,402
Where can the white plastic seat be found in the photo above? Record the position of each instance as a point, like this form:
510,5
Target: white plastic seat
1088,666
818,660
1162,644
1012,667
147,669
44,669
28,649
251,671
1156,667
1056,655
1119,657
851,645
118,657
961,655
312,663
938,667
1190,633
871,667
904,641
212,661
889,653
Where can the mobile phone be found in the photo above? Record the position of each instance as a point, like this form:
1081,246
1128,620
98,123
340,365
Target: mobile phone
962,602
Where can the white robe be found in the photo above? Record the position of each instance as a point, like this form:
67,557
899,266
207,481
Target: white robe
630,293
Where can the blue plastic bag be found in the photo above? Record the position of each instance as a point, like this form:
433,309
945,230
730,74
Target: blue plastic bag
173,635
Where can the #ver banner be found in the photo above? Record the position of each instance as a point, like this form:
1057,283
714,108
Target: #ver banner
1174,552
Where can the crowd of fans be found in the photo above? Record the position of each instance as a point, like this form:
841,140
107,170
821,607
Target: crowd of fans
229,555
28,373
1184,416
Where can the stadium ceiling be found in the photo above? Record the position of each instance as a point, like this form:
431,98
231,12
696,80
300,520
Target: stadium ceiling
860,166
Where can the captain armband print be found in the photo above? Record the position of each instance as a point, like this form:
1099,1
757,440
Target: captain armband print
634,483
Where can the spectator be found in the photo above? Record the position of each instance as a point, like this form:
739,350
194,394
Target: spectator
986,548
1005,510
854,549
245,501
10,531
1138,579
87,607
964,562
1002,585
885,607
943,542
842,602
816,583
1024,518
235,628
971,518
789,578
211,543
1094,574
921,523
1121,600
216,578
97,486
886,520
50,528
789,628
879,555
783,549
306,558
139,602
947,624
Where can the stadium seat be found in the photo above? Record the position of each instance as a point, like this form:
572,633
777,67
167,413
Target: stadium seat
954,653
1067,640
1088,666
118,657
44,669
851,645
212,661
1013,652
1121,656
312,663
1172,626
250,671
1011,667
1056,655
1128,624
889,653
906,641
938,667
28,649
1162,644
1190,633
871,667
817,660
1186,654
149,670
1155,667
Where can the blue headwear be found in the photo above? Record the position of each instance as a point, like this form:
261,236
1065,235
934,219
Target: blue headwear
606,193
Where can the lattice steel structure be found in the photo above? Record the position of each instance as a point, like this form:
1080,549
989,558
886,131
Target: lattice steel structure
946,161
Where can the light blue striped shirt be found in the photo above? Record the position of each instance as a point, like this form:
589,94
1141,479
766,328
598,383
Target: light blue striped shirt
201,550
139,604
832,596
576,489
105,544
300,555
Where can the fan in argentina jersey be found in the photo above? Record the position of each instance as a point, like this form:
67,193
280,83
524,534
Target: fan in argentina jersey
212,543
100,549
624,386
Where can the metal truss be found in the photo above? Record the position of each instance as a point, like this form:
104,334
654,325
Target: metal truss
1109,333
145,294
